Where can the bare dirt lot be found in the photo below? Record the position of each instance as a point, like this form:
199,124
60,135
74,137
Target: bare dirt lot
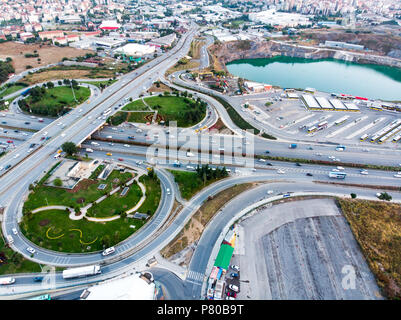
47,54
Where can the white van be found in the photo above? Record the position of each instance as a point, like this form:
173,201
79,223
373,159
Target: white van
5,281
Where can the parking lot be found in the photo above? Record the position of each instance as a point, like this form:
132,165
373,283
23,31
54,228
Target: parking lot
293,119
298,250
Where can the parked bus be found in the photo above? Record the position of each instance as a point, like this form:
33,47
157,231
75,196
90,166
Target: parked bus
364,137
312,129
397,138
341,120
322,125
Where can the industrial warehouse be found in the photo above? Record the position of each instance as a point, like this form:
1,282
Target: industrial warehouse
321,103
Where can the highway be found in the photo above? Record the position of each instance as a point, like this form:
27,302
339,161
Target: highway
88,118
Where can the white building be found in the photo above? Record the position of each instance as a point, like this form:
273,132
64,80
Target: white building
135,49
283,19
134,287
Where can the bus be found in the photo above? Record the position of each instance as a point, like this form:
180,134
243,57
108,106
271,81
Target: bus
397,138
42,297
312,129
322,125
364,137
341,120
337,175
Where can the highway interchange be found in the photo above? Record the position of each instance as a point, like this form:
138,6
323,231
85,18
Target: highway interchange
86,119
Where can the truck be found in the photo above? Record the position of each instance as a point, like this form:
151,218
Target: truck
292,146
7,280
81,272
89,150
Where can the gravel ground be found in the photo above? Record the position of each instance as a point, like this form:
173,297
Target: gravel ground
297,250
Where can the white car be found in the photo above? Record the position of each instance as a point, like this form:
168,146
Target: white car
108,251
262,160
270,191
59,124
280,171
335,170
168,191
234,267
31,250
14,230
398,175
29,150
233,287
190,168
340,168
126,145
16,156
364,172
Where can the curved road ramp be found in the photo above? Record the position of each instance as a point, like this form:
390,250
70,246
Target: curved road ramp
301,250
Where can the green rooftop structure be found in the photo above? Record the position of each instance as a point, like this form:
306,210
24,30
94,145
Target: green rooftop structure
224,256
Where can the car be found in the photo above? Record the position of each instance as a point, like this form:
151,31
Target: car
319,154
298,164
234,267
27,122
7,167
270,191
42,138
340,168
126,145
234,275
38,279
233,287
309,174
108,251
269,163
310,148
10,141
267,151
364,172
398,175
279,171
231,294
131,137
120,159
168,191
335,170
4,122
109,154
14,230
31,250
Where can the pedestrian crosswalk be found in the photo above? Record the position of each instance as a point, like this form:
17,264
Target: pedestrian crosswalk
195,277
61,260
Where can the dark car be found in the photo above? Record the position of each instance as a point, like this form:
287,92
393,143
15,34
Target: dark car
298,164
269,163
4,122
38,279
309,174
27,122
7,167
131,137
267,151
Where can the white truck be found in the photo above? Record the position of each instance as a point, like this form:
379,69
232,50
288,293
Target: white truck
89,150
7,280
81,272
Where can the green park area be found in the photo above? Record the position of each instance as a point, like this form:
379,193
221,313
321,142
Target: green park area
191,183
100,84
9,89
84,193
54,101
177,107
55,230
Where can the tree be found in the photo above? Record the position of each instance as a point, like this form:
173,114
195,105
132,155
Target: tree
385,196
353,195
69,148
50,85
57,182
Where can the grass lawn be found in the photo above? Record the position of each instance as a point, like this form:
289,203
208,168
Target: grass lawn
5,91
98,83
189,183
136,105
54,230
141,117
87,191
61,96
115,204
13,262
172,108
376,226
